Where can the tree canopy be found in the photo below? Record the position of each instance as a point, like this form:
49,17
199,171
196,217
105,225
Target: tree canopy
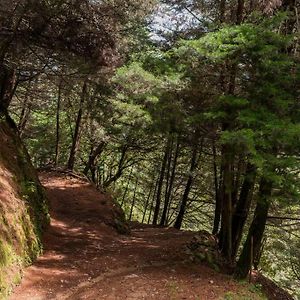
187,112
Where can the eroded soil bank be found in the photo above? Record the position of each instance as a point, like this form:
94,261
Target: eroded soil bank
23,208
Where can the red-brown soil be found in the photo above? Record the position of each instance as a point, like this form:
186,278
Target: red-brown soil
85,258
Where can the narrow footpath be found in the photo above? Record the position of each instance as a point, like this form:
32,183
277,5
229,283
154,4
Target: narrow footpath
85,258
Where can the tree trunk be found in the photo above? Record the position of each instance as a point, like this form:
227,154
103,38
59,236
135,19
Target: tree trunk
153,200
225,236
218,205
236,184
7,87
170,187
187,190
256,230
133,199
167,175
240,11
121,167
127,187
242,208
148,199
91,163
58,124
160,182
76,137
222,9
25,112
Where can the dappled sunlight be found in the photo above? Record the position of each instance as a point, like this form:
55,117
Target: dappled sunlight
74,240
84,257
138,242
79,245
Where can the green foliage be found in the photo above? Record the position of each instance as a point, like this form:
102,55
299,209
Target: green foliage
235,89
233,42
281,258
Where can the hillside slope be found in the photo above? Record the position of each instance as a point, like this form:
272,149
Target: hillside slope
23,208
85,257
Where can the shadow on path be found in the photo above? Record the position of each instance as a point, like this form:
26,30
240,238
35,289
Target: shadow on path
84,257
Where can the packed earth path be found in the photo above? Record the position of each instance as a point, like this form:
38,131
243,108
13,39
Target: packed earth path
85,258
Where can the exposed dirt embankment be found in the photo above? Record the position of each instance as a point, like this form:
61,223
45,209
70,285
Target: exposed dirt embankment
23,209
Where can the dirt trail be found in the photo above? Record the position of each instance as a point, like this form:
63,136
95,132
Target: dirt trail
85,258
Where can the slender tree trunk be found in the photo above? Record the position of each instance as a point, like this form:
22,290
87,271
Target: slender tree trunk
133,199
147,201
218,205
24,118
240,11
236,180
256,230
225,236
170,192
167,175
7,87
77,132
58,124
242,208
170,187
25,110
160,183
169,209
127,187
222,9
153,200
187,190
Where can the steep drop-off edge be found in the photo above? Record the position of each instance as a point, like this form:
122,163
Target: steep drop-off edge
23,208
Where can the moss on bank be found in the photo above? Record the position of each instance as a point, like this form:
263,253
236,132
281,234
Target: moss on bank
23,208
